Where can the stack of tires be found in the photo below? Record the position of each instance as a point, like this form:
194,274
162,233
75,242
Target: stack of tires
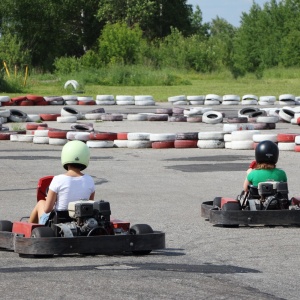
186,140
211,140
162,140
286,141
101,139
136,140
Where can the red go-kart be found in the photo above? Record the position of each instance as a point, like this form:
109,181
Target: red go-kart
85,228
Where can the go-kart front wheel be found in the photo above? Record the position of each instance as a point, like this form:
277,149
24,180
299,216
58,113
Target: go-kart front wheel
42,232
141,229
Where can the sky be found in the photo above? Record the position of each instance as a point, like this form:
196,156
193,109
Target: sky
230,10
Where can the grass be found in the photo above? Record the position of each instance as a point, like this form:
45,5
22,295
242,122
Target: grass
275,82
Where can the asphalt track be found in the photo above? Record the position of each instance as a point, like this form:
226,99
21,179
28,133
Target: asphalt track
163,188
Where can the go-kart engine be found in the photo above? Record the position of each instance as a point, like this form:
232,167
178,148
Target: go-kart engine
90,217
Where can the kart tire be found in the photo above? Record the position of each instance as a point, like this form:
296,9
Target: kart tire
231,206
40,232
217,201
141,229
6,225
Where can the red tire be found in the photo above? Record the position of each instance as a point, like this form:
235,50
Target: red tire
163,145
297,148
104,136
26,103
286,137
49,117
32,126
4,136
35,98
18,100
122,135
57,134
42,126
185,143
92,102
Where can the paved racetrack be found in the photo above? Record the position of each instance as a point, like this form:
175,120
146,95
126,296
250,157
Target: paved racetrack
163,188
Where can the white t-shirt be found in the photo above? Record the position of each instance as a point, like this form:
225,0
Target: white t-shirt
70,189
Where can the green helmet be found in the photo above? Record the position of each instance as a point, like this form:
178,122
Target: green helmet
75,152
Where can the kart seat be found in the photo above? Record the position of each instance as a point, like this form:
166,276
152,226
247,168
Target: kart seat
253,192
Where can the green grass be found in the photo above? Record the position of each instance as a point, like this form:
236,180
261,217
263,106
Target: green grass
275,82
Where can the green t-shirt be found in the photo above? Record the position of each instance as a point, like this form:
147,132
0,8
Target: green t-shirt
262,175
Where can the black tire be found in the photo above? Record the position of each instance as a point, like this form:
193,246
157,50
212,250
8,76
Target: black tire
141,229
231,206
6,226
40,232
217,201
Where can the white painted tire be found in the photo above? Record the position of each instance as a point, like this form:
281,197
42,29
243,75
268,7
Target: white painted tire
125,102
100,144
5,113
105,97
69,97
70,111
33,118
77,135
212,102
286,102
211,135
4,98
124,98
245,112
227,137
58,142
288,97
105,102
143,97
234,98
85,98
177,98
120,143
242,145
139,144
230,102
257,138
210,144
93,116
213,97
180,103
228,145
286,114
137,117
195,98
17,116
67,119
138,136
41,132
144,102
297,140
249,102
196,102
250,97
158,137
267,119
212,117
40,140
230,127
27,138
72,83
243,135
14,137
286,146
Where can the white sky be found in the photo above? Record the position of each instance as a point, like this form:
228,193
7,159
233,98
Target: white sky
230,10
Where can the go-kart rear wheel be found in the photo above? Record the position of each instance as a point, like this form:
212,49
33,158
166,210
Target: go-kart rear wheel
141,229
6,226
42,232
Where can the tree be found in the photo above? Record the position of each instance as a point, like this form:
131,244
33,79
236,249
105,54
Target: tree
51,28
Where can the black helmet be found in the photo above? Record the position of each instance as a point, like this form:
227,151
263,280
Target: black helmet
266,152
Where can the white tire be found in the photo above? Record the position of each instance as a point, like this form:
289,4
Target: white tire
242,145
243,135
249,102
212,102
177,98
230,127
267,119
196,102
212,117
100,144
105,102
40,140
231,98
120,143
125,102
180,103
138,136
227,137
286,146
245,112
210,144
145,102
213,97
289,97
71,102
196,98
70,111
67,119
105,97
58,142
14,137
230,102
41,132
5,113
250,97
211,135
138,144
143,97
264,137
69,97
137,117
228,145
286,102
264,103
72,83
297,140
4,98
85,98
77,135
33,118
28,138
158,137
286,114
93,116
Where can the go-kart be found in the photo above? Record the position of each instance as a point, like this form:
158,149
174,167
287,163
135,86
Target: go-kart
85,228
266,204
